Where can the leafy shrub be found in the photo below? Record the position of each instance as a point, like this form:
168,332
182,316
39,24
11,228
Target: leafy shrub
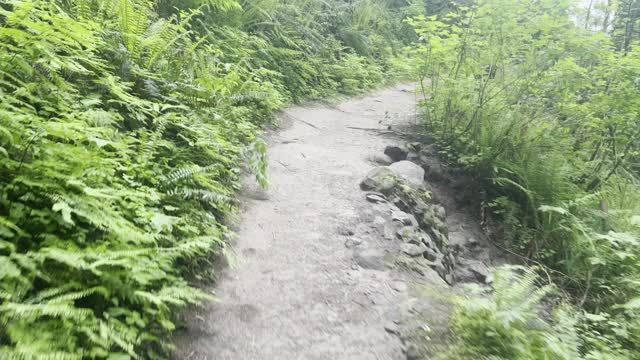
545,114
520,318
107,185
354,74
509,321
123,129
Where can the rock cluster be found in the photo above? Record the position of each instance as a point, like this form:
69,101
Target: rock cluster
416,221
402,210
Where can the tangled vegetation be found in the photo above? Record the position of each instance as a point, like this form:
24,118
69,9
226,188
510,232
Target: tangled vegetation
505,323
124,125
541,102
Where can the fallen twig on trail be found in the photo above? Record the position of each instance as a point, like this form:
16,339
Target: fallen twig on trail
382,131
302,121
285,165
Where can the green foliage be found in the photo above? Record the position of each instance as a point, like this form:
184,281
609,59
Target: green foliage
509,321
545,114
124,126
521,318
625,23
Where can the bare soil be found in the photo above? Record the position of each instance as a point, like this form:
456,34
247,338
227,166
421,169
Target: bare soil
313,276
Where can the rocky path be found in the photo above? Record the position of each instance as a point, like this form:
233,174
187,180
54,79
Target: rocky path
315,277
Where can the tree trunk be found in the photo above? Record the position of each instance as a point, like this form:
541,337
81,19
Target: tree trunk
586,20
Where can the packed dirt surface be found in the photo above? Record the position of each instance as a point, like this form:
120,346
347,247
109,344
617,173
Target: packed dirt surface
315,277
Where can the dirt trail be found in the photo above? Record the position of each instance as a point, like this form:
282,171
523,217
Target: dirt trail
296,291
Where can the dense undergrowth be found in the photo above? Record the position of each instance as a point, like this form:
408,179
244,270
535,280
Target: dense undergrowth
541,103
124,125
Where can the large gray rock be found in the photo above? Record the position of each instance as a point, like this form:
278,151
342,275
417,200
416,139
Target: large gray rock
396,153
433,169
382,159
379,179
411,173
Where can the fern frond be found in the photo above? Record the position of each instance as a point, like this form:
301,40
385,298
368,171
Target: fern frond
23,352
11,310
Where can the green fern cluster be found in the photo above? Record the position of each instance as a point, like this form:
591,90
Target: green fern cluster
90,234
300,48
124,125
544,115
520,317
509,321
